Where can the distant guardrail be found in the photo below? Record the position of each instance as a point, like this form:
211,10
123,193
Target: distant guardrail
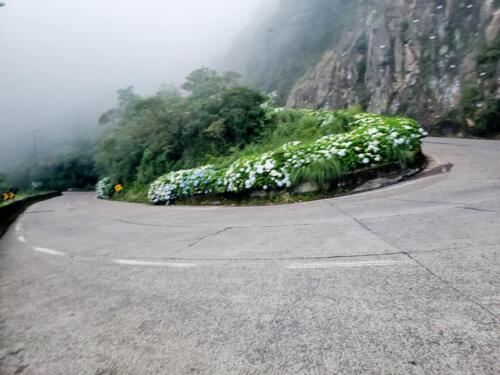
11,211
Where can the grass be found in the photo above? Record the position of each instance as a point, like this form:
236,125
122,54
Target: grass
404,157
135,194
291,125
321,172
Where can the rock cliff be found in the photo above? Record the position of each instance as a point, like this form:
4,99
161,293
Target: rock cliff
413,57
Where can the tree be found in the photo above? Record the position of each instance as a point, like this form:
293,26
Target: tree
204,83
139,134
144,138
240,117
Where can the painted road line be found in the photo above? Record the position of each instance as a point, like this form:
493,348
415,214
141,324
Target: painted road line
391,187
21,239
49,251
399,186
152,264
349,264
18,227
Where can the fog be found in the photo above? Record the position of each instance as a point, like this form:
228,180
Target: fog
61,62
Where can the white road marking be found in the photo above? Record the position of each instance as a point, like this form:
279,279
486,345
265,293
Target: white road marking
18,227
348,264
399,186
21,239
387,188
49,251
153,264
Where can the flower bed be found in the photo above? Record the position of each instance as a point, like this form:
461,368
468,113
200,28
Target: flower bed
186,183
374,140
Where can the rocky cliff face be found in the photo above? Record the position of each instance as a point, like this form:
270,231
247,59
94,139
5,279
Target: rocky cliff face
413,57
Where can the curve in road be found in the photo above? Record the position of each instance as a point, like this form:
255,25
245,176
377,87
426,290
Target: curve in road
399,280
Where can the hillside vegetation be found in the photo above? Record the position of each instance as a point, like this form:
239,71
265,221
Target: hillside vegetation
217,137
222,138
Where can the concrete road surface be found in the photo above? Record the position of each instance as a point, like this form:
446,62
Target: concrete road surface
403,280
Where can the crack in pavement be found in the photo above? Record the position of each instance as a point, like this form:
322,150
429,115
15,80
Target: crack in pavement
436,276
366,227
324,257
406,213
271,259
156,225
198,240
213,227
206,236
319,257
450,285
425,201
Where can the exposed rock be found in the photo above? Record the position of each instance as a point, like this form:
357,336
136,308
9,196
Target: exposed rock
412,57
493,28
307,187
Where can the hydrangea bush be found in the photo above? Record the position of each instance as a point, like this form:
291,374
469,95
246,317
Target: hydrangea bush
374,140
186,183
104,188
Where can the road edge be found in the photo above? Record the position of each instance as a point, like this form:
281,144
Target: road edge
9,213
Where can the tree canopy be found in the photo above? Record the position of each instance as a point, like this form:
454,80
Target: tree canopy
145,137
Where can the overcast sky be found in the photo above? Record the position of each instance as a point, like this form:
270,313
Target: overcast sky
61,61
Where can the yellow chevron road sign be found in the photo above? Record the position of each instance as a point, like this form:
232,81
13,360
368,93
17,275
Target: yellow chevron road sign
8,196
118,188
